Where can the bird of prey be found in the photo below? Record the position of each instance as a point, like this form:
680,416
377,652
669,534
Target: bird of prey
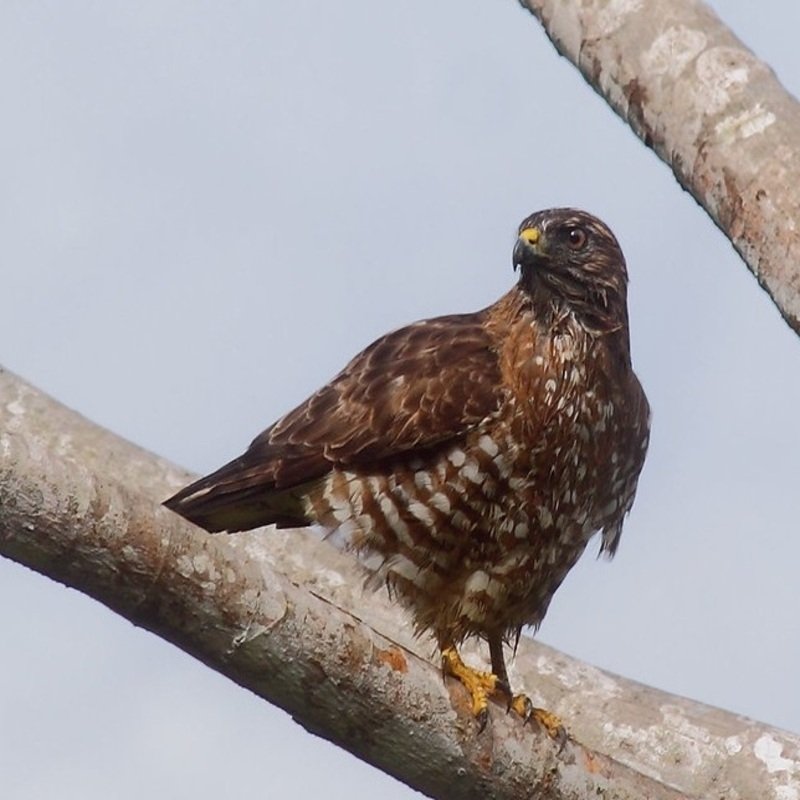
471,457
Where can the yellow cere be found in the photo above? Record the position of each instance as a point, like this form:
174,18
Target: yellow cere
530,235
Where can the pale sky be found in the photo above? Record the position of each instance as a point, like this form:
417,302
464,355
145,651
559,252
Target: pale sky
208,208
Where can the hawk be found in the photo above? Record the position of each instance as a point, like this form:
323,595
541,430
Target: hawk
469,457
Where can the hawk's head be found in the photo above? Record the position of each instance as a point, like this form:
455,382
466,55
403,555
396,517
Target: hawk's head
571,261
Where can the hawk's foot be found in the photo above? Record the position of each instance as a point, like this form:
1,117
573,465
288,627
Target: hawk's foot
483,685
480,685
522,705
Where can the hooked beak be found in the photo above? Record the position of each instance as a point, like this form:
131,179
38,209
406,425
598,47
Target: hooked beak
528,247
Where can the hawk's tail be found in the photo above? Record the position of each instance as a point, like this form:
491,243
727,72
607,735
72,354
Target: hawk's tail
238,498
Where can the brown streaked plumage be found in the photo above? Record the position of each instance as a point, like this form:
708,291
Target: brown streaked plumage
469,457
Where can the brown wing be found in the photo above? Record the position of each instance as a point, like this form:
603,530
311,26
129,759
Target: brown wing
410,390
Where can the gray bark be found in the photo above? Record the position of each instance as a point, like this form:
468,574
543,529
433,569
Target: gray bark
708,108
288,617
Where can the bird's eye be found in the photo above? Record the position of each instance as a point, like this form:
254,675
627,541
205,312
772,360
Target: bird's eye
577,238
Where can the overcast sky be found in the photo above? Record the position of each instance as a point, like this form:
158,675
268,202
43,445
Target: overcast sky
208,208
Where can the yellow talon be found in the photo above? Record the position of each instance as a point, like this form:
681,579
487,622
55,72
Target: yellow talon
522,705
480,685
551,723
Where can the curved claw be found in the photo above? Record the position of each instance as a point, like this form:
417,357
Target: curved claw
521,704
502,687
482,717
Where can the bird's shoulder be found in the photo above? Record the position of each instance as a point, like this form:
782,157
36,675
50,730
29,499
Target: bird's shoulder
411,389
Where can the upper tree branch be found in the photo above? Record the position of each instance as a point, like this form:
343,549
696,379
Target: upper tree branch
287,616
709,108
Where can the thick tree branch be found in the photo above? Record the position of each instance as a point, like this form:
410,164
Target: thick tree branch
709,108
287,616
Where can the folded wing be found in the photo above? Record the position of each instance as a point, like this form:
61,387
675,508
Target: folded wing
410,391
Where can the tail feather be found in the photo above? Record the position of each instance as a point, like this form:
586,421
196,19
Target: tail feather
239,497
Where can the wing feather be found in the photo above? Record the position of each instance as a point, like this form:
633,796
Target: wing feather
411,390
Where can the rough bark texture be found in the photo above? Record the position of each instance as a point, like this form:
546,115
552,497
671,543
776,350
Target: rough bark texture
286,616
709,108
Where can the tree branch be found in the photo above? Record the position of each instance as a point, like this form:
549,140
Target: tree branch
286,616
709,108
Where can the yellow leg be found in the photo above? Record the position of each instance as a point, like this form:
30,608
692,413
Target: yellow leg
480,685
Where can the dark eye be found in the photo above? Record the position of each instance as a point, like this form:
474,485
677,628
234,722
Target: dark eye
577,238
